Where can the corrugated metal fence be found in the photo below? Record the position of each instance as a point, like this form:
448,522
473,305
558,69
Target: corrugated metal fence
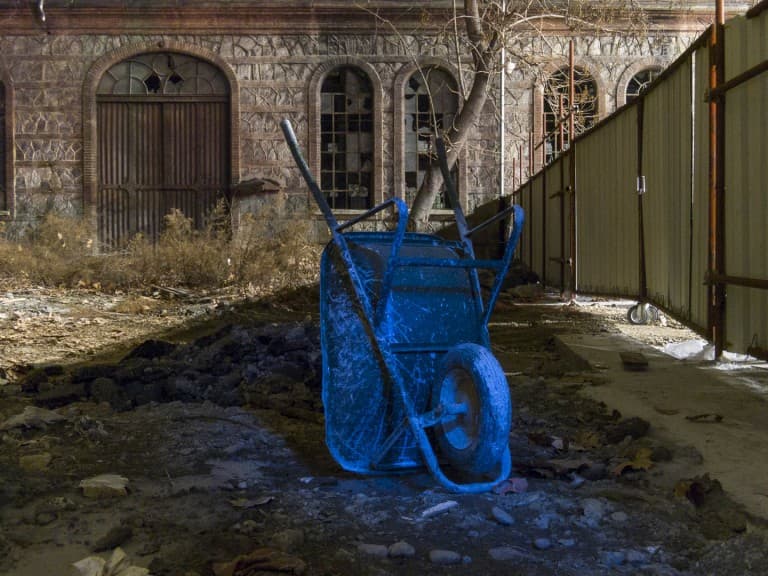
645,214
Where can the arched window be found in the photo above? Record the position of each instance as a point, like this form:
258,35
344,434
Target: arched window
431,103
346,138
163,74
640,82
584,104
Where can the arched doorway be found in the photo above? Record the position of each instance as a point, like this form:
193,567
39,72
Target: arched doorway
163,122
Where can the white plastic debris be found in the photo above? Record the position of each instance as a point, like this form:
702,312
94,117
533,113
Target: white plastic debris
439,508
696,349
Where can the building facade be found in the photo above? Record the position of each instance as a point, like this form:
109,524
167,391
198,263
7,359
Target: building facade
119,111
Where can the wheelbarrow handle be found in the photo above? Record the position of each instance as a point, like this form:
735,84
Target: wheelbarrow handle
397,240
290,138
517,228
453,196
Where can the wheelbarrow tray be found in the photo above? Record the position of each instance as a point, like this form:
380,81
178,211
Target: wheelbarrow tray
430,309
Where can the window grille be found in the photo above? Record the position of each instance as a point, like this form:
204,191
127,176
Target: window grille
163,74
584,108
640,82
346,139
431,103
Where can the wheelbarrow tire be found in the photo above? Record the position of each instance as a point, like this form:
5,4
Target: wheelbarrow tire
475,440
638,314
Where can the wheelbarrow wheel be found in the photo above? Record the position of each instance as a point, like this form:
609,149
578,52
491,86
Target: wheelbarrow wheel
472,393
638,314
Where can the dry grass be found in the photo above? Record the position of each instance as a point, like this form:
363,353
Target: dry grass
266,253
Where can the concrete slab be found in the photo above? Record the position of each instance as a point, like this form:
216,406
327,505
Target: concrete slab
673,395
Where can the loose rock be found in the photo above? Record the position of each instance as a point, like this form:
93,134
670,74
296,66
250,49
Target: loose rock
444,557
35,462
105,486
502,516
32,417
401,549
114,538
377,550
633,427
542,543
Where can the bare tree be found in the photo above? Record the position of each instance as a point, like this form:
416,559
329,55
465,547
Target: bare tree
480,31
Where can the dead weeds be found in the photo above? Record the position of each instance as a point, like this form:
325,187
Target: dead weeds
267,251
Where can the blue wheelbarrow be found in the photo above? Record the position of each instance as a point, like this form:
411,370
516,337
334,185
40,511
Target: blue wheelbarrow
407,366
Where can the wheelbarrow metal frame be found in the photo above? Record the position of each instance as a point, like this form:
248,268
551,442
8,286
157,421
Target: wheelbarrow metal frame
373,316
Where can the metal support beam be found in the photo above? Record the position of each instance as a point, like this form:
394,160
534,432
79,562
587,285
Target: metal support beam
716,260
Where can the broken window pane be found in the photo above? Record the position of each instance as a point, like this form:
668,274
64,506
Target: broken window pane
163,73
431,103
152,82
346,125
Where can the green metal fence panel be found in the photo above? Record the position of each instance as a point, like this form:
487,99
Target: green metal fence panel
535,224
697,308
746,185
556,182
667,203
607,245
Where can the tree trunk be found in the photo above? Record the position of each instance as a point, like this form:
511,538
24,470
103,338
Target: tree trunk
466,118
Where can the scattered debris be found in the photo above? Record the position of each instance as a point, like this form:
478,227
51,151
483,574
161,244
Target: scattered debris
104,486
114,538
445,557
32,417
201,464
439,509
261,560
401,549
666,411
35,462
502,516
633,427
117,565
376,550
705,418
641,461
512,485
245,503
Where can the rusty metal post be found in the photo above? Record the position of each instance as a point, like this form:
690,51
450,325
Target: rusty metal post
544,222
716,260
544,140
572,165
562,196
531,167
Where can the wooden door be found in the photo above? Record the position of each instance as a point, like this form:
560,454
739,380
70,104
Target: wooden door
155,157
163,144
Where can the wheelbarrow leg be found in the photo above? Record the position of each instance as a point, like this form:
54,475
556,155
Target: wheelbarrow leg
430,460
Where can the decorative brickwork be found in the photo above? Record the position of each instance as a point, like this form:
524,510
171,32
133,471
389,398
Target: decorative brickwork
275,62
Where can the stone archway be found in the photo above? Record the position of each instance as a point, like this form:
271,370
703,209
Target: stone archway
159,136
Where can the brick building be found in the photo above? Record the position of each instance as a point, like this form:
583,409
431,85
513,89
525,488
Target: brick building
121,110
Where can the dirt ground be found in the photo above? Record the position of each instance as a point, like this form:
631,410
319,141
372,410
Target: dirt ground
221,468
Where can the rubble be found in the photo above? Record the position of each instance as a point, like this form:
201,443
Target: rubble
221,435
